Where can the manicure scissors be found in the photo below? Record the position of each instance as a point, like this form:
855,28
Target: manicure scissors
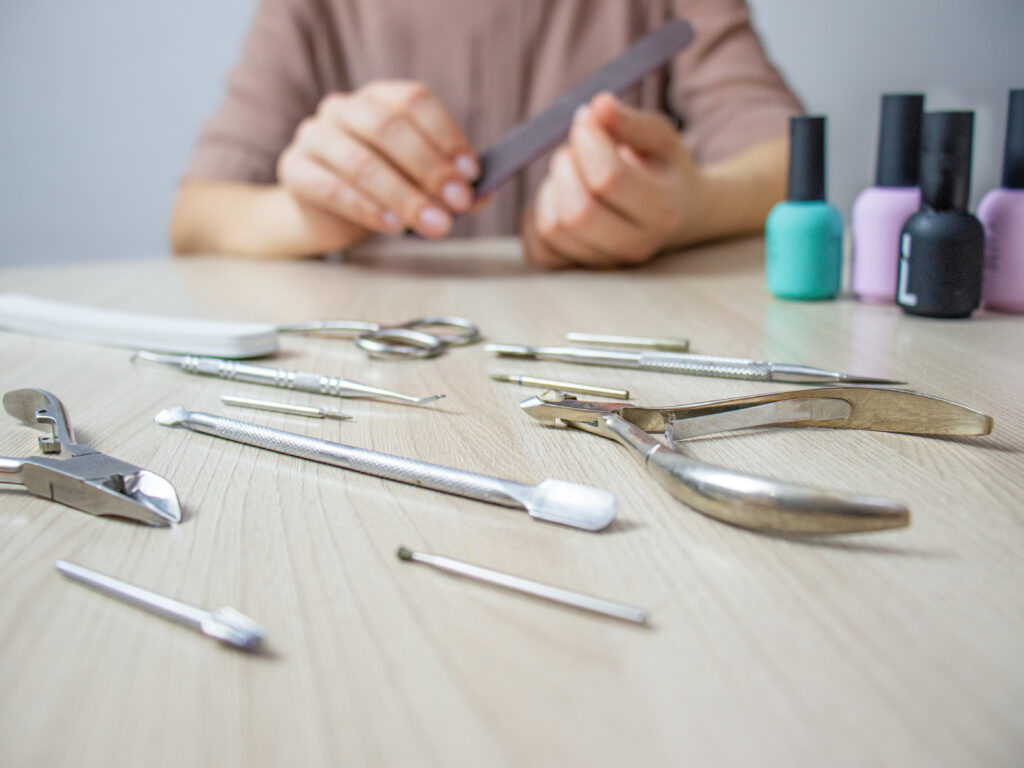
411,339
83,477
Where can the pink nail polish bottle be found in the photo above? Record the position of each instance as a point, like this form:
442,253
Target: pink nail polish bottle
880,212
1002,214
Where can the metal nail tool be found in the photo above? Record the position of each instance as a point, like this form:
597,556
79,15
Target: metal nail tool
561,386
417,338
634,342
276,377
224,624
83,477
555,501
527,586
681,362
759,503
404,340
290,409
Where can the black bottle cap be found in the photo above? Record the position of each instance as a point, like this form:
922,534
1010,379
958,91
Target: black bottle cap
1013,156
899,140
806,158
946,143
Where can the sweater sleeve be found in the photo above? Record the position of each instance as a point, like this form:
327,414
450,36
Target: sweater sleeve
273,87
727,93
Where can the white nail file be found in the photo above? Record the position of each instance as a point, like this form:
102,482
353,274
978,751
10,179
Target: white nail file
111,327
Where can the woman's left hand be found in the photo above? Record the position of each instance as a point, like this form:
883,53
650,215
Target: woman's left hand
621,189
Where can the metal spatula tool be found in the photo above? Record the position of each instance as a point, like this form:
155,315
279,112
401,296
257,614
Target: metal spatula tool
555,501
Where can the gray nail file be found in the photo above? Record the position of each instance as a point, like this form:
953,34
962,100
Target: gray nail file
531,139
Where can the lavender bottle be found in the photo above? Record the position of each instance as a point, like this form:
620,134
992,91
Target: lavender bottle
1002,214
880,212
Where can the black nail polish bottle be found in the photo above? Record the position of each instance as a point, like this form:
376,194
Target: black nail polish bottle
942,247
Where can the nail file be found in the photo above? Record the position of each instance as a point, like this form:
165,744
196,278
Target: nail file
531,139
74,322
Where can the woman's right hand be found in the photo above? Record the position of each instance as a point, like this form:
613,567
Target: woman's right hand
386,157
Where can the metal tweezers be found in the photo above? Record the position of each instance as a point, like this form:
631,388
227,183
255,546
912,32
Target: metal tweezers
753,502
83,477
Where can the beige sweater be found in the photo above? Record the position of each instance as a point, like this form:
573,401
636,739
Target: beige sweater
493,63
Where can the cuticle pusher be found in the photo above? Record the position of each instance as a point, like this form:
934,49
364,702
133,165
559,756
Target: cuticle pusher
276,377
686,363
527,586
224,624
554,501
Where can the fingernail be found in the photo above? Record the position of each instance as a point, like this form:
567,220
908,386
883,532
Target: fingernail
581,112
456,195
467,166
434,221
391,221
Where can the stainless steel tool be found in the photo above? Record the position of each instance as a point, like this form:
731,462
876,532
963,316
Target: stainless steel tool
83,477
554,501
527,586
291,409
759,503
665,344
224,624
561,386
681,362
276,377
417,338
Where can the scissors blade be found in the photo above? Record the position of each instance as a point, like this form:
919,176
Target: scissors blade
103,486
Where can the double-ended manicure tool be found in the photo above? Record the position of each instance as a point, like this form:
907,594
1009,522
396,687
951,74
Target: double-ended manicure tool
277,377
750,501
687,363
554,501
82,477
290,409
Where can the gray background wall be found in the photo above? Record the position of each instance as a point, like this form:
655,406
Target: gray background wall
100,101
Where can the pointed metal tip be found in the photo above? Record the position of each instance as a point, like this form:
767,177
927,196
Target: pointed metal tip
404,553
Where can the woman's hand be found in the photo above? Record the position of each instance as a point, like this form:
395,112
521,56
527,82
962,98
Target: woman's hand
385,157
621,189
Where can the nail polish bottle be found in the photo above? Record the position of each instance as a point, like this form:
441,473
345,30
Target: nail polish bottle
1002,214
942,248
804,234
880,212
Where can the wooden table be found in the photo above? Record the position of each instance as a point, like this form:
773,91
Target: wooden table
896,648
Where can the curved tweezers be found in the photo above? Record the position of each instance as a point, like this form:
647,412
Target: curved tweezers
760,503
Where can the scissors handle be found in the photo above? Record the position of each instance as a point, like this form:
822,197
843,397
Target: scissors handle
463,331
412,339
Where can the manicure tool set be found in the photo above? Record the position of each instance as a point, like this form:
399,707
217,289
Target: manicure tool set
98,484
83,478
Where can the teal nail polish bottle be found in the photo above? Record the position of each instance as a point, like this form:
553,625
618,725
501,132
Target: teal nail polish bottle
804,235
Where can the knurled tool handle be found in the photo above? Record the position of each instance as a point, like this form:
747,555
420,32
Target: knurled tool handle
705,365
447,479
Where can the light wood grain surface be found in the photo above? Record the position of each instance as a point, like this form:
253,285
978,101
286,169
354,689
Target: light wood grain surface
897,648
